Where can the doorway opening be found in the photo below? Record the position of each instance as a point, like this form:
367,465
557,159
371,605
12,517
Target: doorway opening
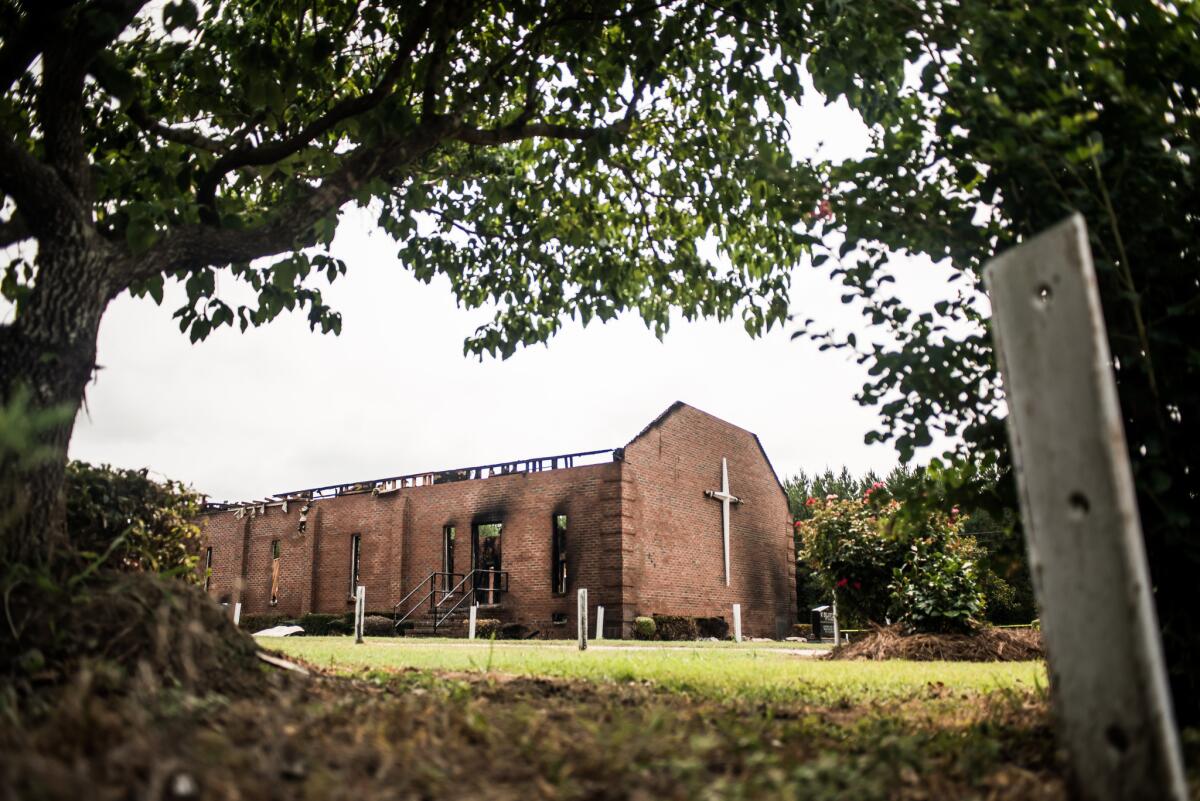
486,561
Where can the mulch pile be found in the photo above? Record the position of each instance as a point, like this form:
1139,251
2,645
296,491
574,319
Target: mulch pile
126,629
985,645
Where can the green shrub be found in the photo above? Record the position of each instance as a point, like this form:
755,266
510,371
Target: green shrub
338,628
485,628
132,522
514,631
644,628
880,564
937,588
317,625
847,543
378,626
676,627
802,630
716,627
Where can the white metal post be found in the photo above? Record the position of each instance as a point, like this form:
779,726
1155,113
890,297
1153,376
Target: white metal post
737,622
360,604
471,622
581,619
837,634
599,622
1086,553
237,613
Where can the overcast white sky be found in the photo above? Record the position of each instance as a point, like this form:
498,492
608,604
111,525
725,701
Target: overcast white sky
280,408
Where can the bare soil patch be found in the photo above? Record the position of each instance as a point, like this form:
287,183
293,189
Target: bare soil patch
985,645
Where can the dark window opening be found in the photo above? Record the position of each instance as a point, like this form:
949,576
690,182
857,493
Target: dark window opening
448,581
355,560
558,618
275,552
207,568
558,556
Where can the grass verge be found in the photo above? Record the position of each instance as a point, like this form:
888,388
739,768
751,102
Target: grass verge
746,672
396,719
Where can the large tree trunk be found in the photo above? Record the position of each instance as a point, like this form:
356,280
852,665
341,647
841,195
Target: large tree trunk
47,357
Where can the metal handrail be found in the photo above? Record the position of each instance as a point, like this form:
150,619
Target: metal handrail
432,581
503,574
410,594
435,606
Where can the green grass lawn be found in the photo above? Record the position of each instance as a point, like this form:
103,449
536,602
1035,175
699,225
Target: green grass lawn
689,720
539,721
752,671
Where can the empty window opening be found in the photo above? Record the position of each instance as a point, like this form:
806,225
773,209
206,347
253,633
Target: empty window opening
487,562
448,580
559,618
275,552
207,568
355,561
558,555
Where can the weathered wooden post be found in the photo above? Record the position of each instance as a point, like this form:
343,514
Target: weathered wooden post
471,621
1086,553
737,622
599,622
360,604
581,619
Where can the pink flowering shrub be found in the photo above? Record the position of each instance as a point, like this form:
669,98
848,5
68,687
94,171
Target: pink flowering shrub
924,575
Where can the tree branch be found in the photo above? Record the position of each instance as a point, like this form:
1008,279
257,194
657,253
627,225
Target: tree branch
437,57
521,129
183,136
60,98
25,42
269,153
42,199
530,130
14,230
291,228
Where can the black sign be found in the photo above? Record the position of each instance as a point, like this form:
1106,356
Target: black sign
822,623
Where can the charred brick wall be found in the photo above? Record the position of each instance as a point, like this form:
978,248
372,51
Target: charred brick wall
642,538
401,542
674,548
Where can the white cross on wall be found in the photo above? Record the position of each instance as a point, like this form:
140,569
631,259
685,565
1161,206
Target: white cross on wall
725,498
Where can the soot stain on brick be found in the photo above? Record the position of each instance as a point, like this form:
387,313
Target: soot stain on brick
495,512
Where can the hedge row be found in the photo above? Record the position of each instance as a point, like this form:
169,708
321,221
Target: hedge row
488,628
679,627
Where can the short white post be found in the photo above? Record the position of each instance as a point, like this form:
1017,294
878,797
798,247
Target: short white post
581,619
737,622
360,604
599,622
1086,552
237,613
837,632
471,622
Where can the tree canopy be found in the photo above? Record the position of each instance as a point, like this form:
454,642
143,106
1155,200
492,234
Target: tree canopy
550,159
991,122
553,159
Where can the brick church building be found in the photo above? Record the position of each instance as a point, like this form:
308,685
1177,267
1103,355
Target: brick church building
650,528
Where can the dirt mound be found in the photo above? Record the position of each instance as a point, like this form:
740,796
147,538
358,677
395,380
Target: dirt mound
985,645
126,629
